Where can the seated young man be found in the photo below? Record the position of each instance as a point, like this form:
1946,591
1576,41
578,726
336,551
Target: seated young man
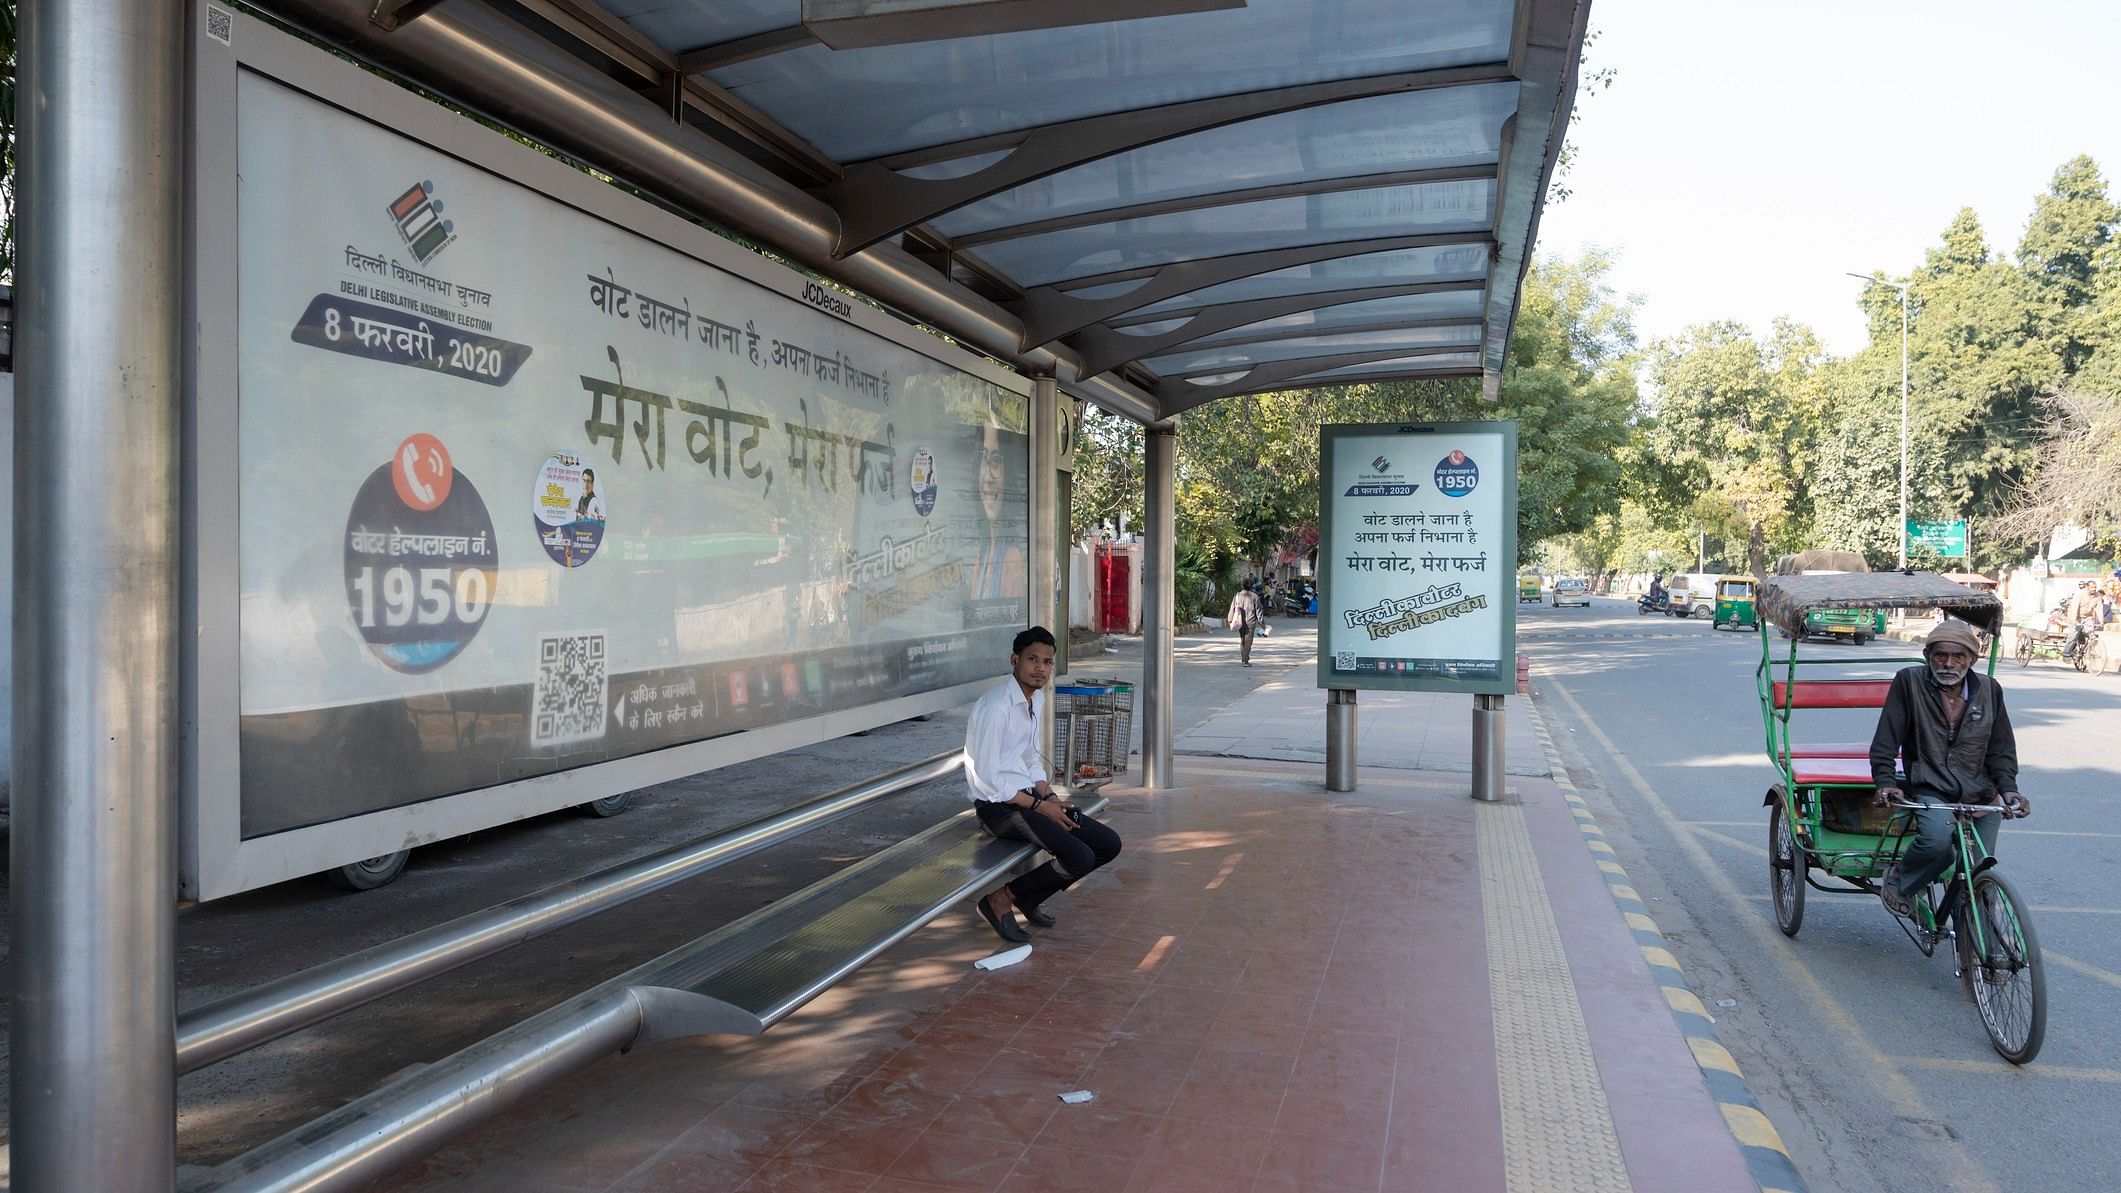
1007,780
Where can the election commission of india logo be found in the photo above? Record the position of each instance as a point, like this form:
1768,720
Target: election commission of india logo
418,215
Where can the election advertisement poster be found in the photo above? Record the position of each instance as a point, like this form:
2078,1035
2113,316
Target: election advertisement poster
1417,557
520,490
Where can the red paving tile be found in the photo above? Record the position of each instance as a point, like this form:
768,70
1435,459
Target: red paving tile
1289,1008
957,1162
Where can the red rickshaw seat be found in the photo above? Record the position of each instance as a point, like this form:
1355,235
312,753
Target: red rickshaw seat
1808,772
1832,693
1830,749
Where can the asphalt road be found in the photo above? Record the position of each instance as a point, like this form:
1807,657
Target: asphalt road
1872,1064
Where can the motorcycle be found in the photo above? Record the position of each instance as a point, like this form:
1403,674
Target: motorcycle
1649,603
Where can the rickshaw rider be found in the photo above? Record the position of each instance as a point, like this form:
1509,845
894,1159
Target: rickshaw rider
1948,725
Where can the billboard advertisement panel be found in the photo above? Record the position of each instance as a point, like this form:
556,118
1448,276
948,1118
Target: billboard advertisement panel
518,491
1417,557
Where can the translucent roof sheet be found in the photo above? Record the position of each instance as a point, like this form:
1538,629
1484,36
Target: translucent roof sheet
1404,308
1457,126
1448,263
1246,355
1136,156
1243,227
859,104
1409,366
679,26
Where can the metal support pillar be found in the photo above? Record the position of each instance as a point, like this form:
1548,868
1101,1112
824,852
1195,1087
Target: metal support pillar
1487,748
1340,739
1042,570
98,303
1159,568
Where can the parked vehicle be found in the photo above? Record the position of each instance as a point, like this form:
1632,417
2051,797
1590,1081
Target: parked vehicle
1734,604
1527,589
1571,592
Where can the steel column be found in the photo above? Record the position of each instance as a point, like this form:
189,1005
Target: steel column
1340,739
1487,748
1159,568
93,846
1042,570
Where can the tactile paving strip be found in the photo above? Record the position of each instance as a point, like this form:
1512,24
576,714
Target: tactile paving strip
1557,1132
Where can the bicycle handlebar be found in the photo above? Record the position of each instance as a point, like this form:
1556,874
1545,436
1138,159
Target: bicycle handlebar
1978,808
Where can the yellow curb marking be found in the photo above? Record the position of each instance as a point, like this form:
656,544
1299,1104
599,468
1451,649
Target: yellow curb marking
1612,868
1599,847
1622,890
1641,922
1751,1127
1679,998
1659,956
1711,1055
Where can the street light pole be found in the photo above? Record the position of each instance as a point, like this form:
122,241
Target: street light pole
1903,288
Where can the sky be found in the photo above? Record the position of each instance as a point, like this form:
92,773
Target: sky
1747,155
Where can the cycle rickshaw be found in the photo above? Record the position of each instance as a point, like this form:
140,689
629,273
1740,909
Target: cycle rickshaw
1824,825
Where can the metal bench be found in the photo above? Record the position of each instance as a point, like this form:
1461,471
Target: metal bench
741,979
758,970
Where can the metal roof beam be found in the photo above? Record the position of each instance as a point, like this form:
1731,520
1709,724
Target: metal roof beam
876,201
1050,312
1547,47
1350,329
1255,194
1102,347
744,49
1175,397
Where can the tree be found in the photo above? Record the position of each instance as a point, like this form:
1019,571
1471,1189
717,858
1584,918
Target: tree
2072,223
2078,481
1735,428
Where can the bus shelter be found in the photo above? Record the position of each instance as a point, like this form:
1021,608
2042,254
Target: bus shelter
804,272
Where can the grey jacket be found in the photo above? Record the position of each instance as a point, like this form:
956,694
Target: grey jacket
1969,765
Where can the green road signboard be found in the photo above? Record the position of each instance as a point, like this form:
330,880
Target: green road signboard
1946,540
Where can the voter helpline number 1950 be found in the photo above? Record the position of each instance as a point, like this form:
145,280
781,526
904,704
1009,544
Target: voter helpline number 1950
426,596
421,560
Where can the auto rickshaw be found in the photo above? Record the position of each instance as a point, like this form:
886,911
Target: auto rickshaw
1527,589
1734,604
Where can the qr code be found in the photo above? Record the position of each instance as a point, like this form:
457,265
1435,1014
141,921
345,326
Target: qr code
219,24
568,704
1344,660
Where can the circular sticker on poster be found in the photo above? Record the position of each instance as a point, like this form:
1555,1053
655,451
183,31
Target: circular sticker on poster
421,559
1457,474
569,510
923,474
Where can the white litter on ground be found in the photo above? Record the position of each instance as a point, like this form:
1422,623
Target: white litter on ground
1005,959
1076,1097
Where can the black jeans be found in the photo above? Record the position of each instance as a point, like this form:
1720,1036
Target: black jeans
1076,851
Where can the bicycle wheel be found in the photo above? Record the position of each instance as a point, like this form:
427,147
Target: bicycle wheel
1786,867
2025,651
2010,983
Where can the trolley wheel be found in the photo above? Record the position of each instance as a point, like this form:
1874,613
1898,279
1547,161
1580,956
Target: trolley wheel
2010,983
1786,866
381,870
2025,650
609,806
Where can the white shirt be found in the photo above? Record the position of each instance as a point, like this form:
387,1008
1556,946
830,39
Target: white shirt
1001,743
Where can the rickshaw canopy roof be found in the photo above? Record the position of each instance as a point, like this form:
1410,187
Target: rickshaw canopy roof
1786,600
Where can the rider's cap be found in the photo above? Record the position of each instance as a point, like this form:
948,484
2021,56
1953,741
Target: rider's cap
1956,632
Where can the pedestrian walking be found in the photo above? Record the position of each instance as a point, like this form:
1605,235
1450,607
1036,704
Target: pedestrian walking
1246,616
